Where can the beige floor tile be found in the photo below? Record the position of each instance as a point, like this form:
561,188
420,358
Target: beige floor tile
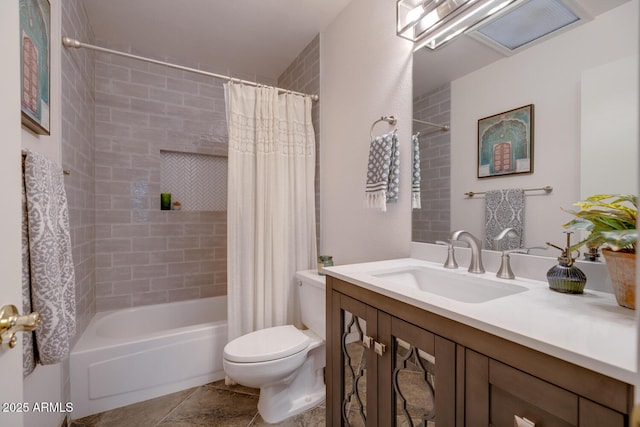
142,414
211,406
214,404
314,417
237,388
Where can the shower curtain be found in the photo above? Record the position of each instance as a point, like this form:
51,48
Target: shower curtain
271,230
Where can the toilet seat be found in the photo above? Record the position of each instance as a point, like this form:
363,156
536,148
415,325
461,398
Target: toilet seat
266,344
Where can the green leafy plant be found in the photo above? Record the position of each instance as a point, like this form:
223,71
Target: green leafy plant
610,219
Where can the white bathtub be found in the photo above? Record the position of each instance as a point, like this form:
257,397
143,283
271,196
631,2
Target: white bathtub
131,355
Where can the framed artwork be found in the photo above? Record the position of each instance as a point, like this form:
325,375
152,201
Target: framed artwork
35,34
505,143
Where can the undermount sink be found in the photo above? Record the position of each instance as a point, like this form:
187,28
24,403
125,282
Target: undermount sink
449,284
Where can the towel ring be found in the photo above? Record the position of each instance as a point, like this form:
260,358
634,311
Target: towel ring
389,119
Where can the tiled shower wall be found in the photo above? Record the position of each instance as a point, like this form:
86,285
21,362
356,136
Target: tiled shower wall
145,255
432,221
303,75
78,156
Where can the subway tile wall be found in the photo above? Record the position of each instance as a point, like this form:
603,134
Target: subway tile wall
78,156
117,115
432,221
145,255
303,75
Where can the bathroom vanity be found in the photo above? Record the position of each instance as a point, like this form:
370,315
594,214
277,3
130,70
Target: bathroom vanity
410,342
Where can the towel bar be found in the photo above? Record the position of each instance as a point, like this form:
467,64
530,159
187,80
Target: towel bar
548,189
64,171
389,119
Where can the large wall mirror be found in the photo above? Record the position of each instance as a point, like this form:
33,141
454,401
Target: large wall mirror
583,83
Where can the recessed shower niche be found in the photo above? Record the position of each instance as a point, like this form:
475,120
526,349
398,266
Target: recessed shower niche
197,181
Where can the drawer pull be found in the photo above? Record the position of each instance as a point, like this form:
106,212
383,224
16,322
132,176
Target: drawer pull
522,422
367,340
379,348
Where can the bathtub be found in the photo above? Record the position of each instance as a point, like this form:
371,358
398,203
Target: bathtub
135,354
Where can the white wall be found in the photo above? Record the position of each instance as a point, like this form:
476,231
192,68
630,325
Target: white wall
365,74
609,111
547,75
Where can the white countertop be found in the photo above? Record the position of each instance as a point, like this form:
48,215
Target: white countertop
589,329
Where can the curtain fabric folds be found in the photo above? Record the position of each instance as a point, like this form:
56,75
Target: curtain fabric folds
271,230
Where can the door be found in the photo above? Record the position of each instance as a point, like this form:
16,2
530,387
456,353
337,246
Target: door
10,214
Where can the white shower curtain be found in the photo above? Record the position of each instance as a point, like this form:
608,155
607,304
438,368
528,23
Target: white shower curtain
271,230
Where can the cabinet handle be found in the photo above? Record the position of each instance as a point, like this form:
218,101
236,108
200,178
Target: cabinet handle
379,348
522,422
367,340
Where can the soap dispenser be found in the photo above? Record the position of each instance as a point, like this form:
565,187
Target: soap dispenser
566,277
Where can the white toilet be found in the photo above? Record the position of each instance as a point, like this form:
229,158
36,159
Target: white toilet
286,363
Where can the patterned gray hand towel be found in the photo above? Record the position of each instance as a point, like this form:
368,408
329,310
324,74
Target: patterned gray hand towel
49,278
383,173
504,209
415,175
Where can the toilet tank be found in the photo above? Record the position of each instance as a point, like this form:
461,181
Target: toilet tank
312,301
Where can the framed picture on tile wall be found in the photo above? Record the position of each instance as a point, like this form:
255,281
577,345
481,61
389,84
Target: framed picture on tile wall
505,143
35,35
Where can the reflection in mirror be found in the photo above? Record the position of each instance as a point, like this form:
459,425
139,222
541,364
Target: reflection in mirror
586,103
431,222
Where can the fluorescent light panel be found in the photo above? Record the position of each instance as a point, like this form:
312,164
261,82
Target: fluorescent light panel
528,22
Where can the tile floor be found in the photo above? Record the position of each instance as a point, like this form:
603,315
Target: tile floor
213,404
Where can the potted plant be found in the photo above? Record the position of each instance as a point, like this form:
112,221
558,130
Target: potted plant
610,220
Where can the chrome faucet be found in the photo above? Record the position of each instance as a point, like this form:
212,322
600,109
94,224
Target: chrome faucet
475,266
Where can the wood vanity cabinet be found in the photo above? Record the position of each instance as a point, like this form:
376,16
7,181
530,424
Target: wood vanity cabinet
390,363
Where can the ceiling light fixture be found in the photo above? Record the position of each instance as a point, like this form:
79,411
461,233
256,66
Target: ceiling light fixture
432,23
528,23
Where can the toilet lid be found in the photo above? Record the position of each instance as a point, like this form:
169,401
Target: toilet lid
266,344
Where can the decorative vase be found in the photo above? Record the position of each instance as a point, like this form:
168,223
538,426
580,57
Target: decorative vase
622,271
567,279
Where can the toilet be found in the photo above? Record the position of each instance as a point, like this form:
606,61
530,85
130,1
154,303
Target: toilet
284,362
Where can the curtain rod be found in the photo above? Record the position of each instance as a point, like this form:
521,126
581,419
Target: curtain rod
73,43
442,127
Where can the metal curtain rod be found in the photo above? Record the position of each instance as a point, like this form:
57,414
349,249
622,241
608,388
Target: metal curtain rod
64,171
548,189
442,127
70,42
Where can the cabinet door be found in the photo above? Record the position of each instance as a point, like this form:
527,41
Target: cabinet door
417,377
354,365
595,415
497,394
